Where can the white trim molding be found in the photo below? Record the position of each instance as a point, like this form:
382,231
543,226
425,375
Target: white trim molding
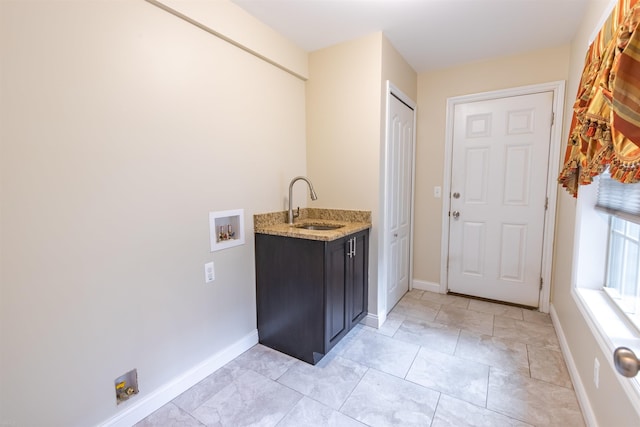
373,320
382,308
157,398
426,286
578,386
558,89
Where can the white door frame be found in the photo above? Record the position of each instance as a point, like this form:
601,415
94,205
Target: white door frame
558,88
383,241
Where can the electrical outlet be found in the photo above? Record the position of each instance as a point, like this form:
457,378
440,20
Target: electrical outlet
209,272
596,372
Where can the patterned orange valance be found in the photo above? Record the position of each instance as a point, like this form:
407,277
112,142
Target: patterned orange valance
605,127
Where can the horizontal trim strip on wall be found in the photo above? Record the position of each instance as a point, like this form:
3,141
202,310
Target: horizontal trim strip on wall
225,38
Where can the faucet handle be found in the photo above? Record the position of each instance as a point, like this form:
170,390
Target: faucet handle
297,213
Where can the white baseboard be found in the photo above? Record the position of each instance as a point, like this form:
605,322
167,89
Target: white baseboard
578,386
373,320
426,286
165,394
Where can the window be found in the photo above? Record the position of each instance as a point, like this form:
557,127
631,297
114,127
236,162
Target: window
622,203
623,267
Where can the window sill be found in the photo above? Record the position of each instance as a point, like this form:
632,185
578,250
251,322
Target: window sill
612,323
625,307
611,329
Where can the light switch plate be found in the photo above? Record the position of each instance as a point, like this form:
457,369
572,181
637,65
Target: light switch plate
437,192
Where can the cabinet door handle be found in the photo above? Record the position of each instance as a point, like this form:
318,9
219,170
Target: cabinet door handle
352,247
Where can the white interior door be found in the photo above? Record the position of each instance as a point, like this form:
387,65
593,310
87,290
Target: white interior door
400,139
498,197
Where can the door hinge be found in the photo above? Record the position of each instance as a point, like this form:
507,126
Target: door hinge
553,118
541,281
546,203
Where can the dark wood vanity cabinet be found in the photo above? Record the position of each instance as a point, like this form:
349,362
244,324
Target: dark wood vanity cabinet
310,293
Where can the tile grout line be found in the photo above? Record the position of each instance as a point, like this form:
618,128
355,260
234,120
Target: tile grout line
415,356
529,361
302,396
486,398
435,409
493,325
351,392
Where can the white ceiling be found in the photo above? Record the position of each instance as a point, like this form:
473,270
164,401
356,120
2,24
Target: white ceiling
429,34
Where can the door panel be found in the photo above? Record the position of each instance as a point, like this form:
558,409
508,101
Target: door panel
517,175
512,250
499,170
473,249
477,170
399,181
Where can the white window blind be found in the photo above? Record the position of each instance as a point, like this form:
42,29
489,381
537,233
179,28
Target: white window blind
616,198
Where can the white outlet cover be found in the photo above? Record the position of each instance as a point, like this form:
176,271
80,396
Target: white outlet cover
209,272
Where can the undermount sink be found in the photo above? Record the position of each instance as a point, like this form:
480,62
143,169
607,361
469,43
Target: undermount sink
319,226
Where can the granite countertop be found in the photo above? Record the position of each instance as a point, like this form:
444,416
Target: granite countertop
275,223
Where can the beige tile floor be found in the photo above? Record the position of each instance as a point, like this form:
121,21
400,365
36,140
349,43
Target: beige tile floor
439,360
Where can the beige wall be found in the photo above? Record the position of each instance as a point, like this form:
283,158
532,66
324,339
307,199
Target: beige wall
397,71
345,129
433,90
609,403
343,116
122,127
233,23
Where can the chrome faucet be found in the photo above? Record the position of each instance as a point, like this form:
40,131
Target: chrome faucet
311,192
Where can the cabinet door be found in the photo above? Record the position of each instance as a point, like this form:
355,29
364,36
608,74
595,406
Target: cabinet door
289,295
357,283
337,322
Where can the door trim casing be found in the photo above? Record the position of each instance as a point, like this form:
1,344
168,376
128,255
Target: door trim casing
555,143
383,251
